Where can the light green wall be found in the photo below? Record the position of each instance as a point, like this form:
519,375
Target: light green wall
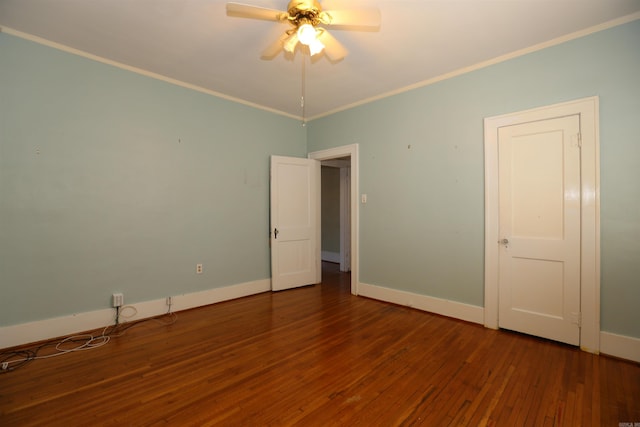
421,165
115,182
330,209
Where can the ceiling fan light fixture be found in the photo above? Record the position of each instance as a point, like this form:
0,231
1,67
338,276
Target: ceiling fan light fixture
307,34
315,47
305,18
290,43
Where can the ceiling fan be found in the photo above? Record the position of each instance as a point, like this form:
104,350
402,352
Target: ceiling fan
305,18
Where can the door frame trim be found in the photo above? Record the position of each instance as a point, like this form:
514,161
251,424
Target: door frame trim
345,218
588,111
335,153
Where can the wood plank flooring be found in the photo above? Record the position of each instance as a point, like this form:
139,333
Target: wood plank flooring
318,356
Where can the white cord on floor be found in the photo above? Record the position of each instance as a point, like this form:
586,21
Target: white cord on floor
83,341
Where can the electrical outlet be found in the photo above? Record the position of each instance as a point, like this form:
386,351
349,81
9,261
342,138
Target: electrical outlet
118,300
198,268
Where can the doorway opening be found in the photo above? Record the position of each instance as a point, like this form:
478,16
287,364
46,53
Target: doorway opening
335,220
345,159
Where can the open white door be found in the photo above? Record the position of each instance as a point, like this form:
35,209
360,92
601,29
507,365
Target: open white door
295,219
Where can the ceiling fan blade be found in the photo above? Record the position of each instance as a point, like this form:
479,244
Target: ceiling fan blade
368,17
255,12
332,47
275,48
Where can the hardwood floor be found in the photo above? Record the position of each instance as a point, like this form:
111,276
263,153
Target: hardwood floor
318,356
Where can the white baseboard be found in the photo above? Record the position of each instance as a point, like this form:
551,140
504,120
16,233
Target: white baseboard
457,310
620,346
40,330
330,256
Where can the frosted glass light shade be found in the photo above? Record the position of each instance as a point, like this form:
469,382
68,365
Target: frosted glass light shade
306,34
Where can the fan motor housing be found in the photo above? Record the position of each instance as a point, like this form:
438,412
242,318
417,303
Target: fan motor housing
304,11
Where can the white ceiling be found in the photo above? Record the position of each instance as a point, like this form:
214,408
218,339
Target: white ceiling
195,42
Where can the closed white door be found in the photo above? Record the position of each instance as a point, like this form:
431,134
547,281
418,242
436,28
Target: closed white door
295,216
539,210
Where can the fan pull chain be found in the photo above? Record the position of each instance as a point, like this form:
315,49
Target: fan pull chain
303,89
